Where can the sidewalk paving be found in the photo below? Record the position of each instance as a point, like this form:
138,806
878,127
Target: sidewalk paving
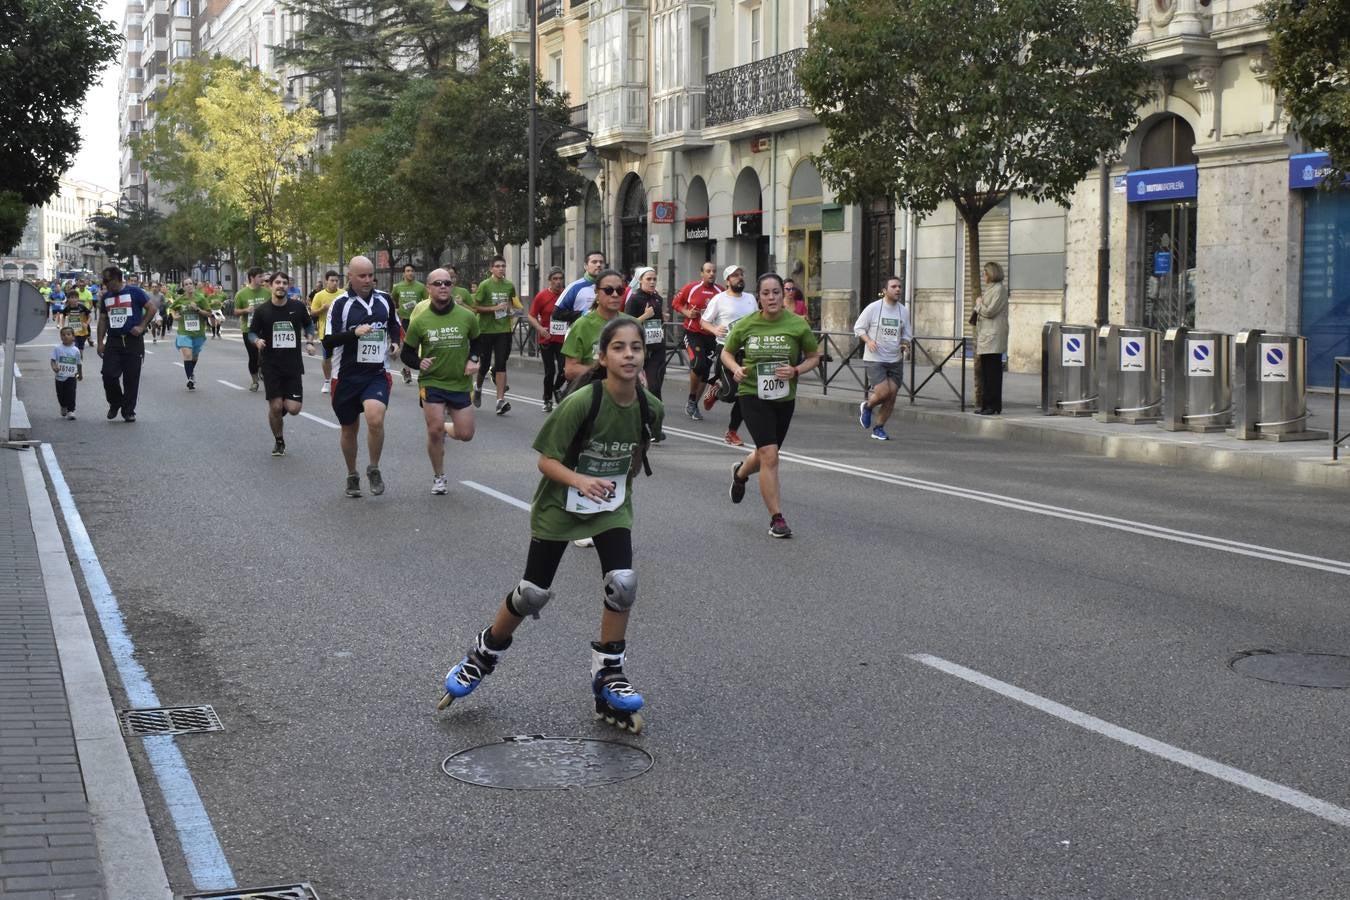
47,843
938,406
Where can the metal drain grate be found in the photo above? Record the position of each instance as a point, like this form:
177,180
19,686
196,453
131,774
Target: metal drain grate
301,891
169,720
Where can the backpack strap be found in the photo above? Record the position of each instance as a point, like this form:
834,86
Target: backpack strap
583,433
645,441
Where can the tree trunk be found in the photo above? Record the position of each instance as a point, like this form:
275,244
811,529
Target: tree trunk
972,220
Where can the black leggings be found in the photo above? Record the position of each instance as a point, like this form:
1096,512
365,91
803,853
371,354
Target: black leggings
991,377
655,367
614,547
252,353
736,417
554,379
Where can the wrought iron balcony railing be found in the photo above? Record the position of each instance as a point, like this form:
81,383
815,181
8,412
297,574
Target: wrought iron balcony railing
549,9
756,89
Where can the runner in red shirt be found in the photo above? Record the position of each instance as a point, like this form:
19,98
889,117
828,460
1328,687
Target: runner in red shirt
550,335
690,302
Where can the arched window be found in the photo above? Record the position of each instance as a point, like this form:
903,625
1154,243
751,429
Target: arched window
1169,142
591,234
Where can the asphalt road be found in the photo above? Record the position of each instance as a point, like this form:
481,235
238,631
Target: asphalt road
801,750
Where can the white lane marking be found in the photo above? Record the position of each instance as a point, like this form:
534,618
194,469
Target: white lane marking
229,384
1274,790
505,498
180,365
1223,545
314,418
151,352
196,835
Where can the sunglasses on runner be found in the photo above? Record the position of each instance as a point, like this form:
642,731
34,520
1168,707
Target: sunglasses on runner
610,290
442,284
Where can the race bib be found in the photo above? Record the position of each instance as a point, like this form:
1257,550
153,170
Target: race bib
501,313
191,322
283,336
653,332
81,328
371,348
613,469
768,386
557,328
67,368
890,330
117,316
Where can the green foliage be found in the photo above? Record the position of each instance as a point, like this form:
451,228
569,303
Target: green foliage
969,100
469,171
379,46
1310,56
50,53
132,232
13,219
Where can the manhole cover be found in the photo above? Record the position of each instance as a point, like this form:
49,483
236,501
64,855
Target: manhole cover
169,720
302,891
1306,669
539,763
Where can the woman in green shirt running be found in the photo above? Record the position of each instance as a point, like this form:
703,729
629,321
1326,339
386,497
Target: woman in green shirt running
777,346
589,450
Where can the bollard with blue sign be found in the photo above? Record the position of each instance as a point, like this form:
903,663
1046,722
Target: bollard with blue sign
1197,380
1270,389
1129,381
1068,369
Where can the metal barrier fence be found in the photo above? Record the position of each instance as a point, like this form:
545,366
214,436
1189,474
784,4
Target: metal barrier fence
1341,367
840,352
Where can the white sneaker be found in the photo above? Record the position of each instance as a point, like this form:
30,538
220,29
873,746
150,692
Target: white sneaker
324,389
584,542
438,485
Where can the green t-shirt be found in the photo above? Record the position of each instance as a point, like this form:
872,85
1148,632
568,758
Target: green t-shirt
189,323
406,296
490,293
246,300
583,337
609,453
447,338
767,344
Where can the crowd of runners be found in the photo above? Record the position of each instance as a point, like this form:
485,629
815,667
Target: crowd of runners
602,340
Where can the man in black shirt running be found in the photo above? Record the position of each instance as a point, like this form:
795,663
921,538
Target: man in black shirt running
275,329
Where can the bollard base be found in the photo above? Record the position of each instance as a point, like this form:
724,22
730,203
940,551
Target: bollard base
1279,437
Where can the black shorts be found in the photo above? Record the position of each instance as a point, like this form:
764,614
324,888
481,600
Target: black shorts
284,385
452,399
350,393
493,349
701,347
767,420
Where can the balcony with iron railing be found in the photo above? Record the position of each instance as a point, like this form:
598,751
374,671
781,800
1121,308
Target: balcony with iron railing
761,96
549,10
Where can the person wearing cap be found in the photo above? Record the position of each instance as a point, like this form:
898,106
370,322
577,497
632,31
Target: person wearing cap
646,305
722,312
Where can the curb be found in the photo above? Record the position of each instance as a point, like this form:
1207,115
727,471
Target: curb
127,849
1252,461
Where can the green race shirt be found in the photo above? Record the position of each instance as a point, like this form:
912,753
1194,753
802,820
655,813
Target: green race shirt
490,293
246,300
185,319
583,337
767,344
406,296
608,454
448,339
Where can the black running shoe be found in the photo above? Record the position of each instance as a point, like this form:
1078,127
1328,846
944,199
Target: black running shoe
353,485
113,411
737,484
279,448
778,527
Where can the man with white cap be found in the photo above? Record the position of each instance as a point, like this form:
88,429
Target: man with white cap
722,312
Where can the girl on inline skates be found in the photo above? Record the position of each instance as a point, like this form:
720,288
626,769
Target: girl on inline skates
589,450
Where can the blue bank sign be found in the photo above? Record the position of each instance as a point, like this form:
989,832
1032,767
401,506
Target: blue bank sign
1309,170
1176,183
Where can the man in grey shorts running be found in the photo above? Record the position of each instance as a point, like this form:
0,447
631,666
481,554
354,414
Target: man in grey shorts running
884,329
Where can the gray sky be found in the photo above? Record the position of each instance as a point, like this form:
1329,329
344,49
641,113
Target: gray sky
97,161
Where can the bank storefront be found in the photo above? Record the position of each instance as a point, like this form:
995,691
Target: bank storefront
1324,284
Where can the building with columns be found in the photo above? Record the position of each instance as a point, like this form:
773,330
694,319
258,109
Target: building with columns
1210,218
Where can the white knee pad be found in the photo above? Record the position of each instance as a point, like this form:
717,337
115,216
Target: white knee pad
527,599
620,589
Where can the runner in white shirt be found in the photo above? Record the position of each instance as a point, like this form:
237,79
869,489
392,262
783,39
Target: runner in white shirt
885,332
722,312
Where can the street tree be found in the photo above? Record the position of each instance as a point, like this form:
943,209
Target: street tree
970,100
371,49
129,234
51,51
471,143
252,146
1310,68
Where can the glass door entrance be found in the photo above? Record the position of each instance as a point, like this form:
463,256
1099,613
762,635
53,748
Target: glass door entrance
1168,265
